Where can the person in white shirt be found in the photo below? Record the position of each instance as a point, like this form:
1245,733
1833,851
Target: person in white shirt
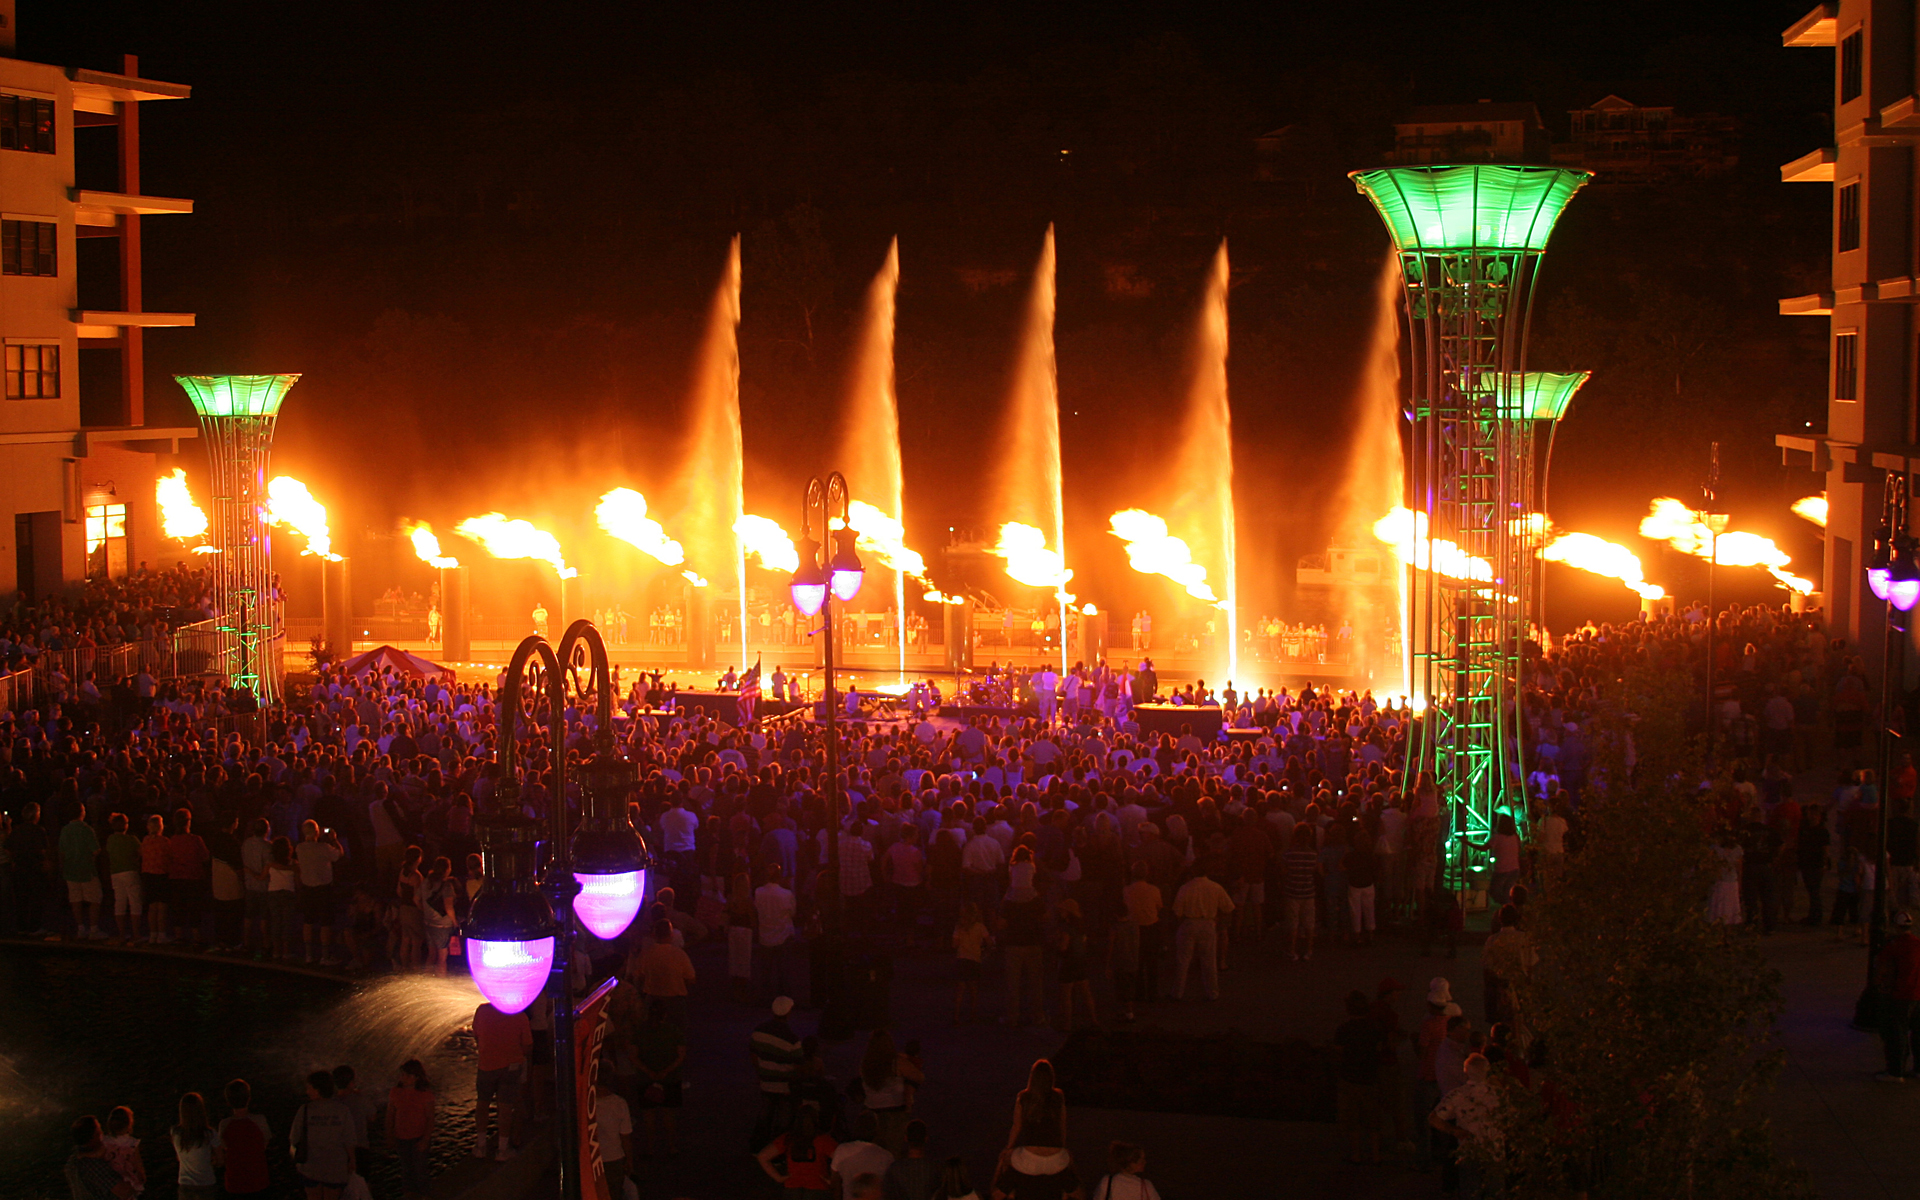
774,907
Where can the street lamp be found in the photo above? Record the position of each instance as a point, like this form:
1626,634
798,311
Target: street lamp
609,858
810,586
1894,578
597,874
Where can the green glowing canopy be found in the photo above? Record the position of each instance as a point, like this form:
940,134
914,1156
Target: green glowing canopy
1486,207
236,395
1541,395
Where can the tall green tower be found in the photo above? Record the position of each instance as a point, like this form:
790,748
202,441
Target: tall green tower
1469,241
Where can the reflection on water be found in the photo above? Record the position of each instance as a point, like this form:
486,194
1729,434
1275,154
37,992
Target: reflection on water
81,1032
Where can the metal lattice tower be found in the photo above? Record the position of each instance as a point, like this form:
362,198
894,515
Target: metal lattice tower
1469,241
237,414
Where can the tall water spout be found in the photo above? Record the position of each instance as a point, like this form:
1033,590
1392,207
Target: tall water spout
1028,486
714,475
1376,482
1205,467
870,424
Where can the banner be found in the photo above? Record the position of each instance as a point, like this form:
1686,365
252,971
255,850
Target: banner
589,1034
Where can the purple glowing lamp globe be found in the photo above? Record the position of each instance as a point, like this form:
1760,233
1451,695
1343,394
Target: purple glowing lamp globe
510,974
1877,578
607,904
1903,593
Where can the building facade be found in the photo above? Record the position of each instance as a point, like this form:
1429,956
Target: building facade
1470,133
76,456
1627,143
1870,303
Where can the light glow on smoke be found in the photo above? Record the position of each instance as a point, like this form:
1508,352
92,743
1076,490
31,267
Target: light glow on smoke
622,513
505,537
289,503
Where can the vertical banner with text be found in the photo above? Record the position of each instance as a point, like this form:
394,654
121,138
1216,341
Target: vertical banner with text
589,1034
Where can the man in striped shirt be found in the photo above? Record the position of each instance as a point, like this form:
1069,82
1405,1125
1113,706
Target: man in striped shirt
776,1056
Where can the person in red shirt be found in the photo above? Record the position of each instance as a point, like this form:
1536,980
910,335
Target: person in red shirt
503,1042
1897,975
243,1143
187,859
807,1152
410,1127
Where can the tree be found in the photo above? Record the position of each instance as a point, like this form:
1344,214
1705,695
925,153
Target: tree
1656,1023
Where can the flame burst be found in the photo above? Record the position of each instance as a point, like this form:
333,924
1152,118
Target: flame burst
623,513
1589,553
763,538
1678,526
514,538
180,517
1030,562
1813,507
936,596
426,545
694,578
1406,532
289,503
1151,550
884,538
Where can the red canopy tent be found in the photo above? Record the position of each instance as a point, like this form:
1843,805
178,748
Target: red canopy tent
381,657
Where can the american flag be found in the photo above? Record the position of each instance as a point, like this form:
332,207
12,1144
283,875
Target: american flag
749,697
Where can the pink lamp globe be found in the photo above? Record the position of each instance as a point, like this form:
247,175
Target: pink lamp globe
510,974
607,904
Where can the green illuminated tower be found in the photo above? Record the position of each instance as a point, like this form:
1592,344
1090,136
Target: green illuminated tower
1469,241
237,414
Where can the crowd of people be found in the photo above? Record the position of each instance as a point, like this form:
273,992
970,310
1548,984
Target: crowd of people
1098,867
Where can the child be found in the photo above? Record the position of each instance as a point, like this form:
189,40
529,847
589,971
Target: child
970,939
123,1149
243,1142
410,1126
1128,1181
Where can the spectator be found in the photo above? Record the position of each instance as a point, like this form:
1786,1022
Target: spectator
323,1140
243,1143
502,1041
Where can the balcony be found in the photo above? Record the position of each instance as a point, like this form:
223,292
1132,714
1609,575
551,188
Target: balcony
106,208
1818,28
1810,168
94,324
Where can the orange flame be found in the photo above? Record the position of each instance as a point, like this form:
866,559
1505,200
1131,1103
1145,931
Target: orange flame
936,596
1406,532
289,503
1813,508
1030,562
763,538
694,578
514,538
623,513
884,538
180,517
1151,550
1589,553
1678,526
426,545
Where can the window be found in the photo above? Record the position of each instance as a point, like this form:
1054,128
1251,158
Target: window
26,124
28,248
106,541
1846,366
33,372
1852,62
1849,207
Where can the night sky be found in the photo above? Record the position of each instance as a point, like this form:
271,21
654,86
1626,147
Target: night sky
488,236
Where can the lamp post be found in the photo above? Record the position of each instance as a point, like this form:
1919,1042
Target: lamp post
519,945
820,579
1893,578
